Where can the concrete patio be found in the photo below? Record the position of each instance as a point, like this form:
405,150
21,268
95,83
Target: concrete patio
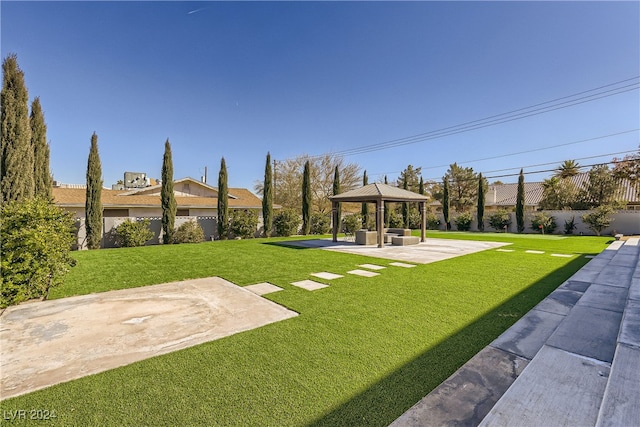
48,342
572,360
423,253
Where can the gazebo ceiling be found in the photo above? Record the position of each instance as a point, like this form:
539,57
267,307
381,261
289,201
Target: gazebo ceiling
378,192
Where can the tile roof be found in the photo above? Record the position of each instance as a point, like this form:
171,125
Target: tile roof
74,197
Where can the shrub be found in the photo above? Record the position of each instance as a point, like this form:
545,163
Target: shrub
599,219
286,222
244,223
499,220
320,223
433,222
351,223
544,223
133,233
395,220
463,221
188,232
415,219
35,253
570,225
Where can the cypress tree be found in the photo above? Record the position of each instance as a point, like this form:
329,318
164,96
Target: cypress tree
336,191
445,204
520,203
93,200
481,197
16,168
223,202
306,199
167,196
41,174
387,212
365,207
421,187
405,205
267,198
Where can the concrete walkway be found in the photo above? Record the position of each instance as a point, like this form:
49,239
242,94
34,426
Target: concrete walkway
572,360
48,342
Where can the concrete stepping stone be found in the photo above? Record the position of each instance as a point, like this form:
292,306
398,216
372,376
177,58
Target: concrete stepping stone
372,266
263,288
634,241
534,252
402,264
562,255
327,276
505,250
309,285
363,273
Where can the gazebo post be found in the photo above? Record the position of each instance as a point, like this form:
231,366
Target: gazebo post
423,221
334,214
380,222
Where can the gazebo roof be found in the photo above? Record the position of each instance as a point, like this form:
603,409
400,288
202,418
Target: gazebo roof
378,192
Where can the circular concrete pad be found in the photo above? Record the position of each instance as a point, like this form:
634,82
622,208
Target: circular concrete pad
45,343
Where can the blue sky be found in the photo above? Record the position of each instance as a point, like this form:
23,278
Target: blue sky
238,79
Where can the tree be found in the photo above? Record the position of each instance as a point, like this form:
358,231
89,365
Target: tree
421,187
223,202
336,191
412,176
267,198
387,211
601,186
365,207
558,194
628,168
93,200
41,173
306,199
462,187
288,177
35,252
167,196
17,158
445,203
405,205
482,185
520,203
567,169
599,219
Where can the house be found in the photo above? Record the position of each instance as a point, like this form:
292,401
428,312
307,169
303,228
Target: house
195,200
504,196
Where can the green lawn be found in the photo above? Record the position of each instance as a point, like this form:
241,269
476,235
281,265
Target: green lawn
361,352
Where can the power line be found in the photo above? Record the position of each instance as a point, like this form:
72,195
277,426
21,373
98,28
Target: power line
540,149
509,116
437,180
526,152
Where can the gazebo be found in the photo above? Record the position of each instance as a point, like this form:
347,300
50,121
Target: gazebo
378,194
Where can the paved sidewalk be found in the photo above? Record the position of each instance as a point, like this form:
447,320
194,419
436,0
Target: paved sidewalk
45,343
574,359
